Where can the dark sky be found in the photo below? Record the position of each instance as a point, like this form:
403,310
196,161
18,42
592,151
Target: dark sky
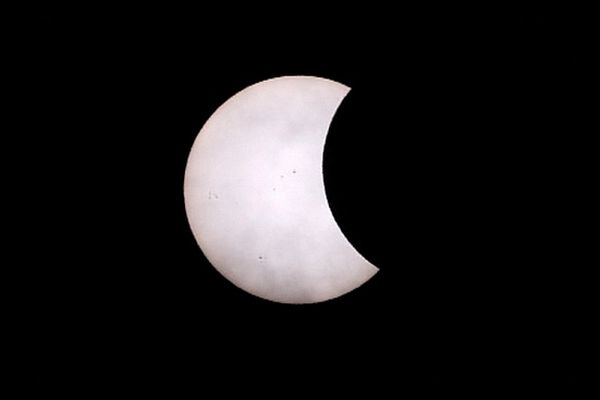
456,164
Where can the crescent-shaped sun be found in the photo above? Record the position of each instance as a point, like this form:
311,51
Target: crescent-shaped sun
255,196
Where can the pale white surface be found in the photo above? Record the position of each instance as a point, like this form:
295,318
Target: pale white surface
255,196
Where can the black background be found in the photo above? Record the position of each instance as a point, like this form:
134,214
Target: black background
456,164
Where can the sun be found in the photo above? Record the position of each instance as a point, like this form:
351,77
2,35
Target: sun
255,196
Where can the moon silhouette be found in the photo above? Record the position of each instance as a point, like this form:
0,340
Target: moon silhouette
255,196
